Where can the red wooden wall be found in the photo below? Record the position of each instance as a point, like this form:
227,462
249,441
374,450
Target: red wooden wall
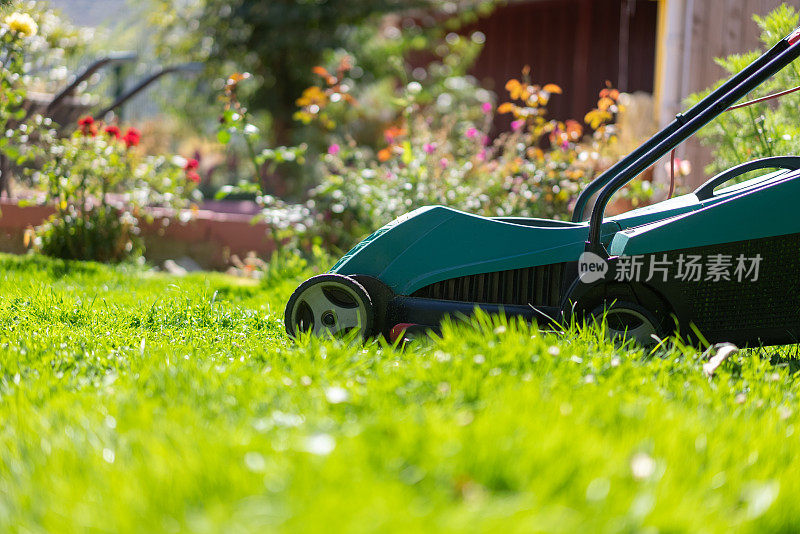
577,44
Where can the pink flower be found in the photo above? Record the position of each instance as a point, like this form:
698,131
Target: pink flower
517,125
486,107
443,163
429,148
334,149
482,155
472,133
486,140
682,167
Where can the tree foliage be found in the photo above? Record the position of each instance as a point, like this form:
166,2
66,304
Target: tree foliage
278,42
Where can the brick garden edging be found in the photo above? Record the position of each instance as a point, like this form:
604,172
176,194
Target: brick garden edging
209,238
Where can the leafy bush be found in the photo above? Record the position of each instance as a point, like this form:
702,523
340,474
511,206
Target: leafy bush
278,42
102,233
99,184
765,129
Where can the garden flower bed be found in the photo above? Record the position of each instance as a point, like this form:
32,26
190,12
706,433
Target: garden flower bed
210,238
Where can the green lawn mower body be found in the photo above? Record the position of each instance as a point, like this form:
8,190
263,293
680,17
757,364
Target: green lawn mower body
639,270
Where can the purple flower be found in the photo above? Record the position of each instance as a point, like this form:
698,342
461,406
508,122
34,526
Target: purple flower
443,163
334,149
486,107
472,133
517,125
429,148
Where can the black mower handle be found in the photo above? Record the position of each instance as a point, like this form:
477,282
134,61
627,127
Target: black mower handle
684,126
706,191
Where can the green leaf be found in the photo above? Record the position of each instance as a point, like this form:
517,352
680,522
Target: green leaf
224,137
408,156
223,192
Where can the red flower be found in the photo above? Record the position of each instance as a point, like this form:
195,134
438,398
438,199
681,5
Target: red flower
113,131
87,126
191,165
131,137
192,176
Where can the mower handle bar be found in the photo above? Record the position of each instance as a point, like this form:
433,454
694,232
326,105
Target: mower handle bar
144,83
110,59
683,127
706,191
597,184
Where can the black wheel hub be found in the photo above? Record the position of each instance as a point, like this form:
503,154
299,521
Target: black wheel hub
329,319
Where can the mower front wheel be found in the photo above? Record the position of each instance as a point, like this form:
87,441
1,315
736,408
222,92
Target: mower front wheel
624,321
329,305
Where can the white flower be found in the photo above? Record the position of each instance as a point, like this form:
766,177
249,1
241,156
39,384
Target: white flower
22,23
414,87
642,466
336,395
320,444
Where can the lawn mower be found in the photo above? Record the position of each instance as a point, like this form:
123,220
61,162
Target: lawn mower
716,265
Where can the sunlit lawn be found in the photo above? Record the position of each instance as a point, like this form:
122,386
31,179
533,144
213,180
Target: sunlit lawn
134,401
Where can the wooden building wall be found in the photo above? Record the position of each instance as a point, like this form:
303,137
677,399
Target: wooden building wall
577,44
693,33
720,28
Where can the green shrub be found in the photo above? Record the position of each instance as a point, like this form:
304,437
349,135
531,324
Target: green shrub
99,183
104,233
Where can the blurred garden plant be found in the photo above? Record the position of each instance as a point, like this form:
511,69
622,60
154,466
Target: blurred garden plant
18,30
424,136
438,150
99,184
236,124
765,129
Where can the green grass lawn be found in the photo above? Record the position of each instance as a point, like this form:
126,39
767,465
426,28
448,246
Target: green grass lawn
134,401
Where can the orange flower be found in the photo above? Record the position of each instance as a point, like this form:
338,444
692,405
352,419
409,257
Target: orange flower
324,74
385,154
312,96
574,130
515,89
392,133
506,107
605,103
